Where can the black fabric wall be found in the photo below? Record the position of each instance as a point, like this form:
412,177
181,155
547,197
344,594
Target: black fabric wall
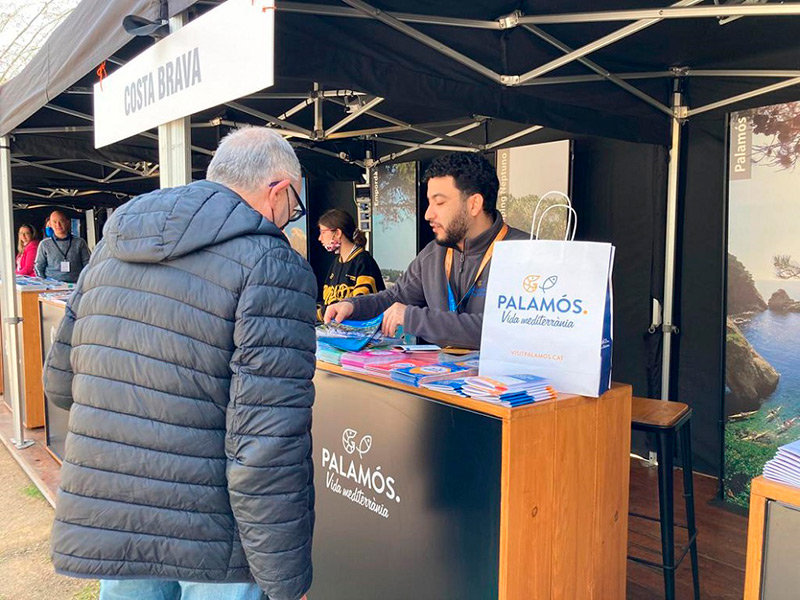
619,193
322,195
700,287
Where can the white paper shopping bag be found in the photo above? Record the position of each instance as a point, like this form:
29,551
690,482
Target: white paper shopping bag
549,311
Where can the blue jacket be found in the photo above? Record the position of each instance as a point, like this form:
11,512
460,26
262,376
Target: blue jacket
186,355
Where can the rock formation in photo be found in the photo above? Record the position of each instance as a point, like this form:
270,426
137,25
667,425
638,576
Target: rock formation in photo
748,375
742,293
781,302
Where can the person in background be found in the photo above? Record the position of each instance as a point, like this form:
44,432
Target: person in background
48,231
441,296
354,272
186,358
62,256
27,245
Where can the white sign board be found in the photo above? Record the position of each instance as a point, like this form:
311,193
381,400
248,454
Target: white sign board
223,55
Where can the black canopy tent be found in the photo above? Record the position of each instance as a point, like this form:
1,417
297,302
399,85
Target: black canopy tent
479,74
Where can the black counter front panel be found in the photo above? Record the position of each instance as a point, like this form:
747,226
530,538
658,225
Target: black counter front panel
407,496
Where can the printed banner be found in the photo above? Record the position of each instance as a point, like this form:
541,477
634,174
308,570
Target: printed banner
526,174
762,362
394,218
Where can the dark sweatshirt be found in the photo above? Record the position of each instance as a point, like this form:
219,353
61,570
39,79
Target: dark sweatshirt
424,289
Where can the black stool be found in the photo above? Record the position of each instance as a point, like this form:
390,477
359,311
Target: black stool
666,421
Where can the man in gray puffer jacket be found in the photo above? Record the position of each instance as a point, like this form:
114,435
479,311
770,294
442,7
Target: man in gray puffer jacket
187,356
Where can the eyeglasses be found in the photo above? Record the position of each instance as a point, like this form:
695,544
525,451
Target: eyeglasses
299,211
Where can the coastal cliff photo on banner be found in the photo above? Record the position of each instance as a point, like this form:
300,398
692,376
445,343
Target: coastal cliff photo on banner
762,364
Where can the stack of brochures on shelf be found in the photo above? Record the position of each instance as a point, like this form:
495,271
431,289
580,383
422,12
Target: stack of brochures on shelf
446,356
447,386
329,354
403,361
358,361
785,467
512,390
420,375
26,283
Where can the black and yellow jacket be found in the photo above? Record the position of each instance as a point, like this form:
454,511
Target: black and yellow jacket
358,275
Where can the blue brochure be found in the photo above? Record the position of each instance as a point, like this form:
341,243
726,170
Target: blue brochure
350,336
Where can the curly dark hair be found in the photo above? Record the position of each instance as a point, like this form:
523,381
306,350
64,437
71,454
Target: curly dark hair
473,174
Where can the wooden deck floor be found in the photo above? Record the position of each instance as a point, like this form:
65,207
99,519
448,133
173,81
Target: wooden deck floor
721,541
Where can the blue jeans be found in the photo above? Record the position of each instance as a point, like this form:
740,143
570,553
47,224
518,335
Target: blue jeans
151,589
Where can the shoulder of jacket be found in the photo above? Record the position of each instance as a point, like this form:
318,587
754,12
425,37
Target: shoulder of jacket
268,247
432,250
517,234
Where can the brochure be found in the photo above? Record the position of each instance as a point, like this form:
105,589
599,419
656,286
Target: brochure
385,369
416,376
349,336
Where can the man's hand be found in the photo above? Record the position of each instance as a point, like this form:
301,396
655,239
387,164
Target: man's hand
338,312
393,318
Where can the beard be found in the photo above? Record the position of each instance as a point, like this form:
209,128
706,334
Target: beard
455,231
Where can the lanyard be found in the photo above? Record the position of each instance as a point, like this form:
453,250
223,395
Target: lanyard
448,267
64,254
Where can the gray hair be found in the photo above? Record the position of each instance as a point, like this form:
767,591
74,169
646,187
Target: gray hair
251,158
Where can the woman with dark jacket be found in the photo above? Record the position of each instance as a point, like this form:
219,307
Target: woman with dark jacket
354,272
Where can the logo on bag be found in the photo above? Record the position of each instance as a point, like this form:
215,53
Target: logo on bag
365,485
540,309
531,283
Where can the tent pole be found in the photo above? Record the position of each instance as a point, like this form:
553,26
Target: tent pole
11,320
175,138
319,126
669,252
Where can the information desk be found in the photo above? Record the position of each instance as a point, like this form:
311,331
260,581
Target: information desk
30,355
56,419
429,496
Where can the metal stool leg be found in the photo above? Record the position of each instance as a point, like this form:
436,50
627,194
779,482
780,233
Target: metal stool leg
666,445
685,434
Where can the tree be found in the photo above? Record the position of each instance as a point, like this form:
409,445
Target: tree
25,25
785,268
781,124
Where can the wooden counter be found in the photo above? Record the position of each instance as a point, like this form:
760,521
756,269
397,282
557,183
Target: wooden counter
783,580
562,478
30,357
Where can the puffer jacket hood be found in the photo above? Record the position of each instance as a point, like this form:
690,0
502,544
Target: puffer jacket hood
172,222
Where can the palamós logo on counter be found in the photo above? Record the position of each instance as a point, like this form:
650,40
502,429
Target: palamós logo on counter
349,442
365,485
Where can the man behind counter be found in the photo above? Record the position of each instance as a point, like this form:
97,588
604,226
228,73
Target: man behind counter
441,296
62,256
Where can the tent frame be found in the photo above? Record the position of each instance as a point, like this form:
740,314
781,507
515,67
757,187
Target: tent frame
678,113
